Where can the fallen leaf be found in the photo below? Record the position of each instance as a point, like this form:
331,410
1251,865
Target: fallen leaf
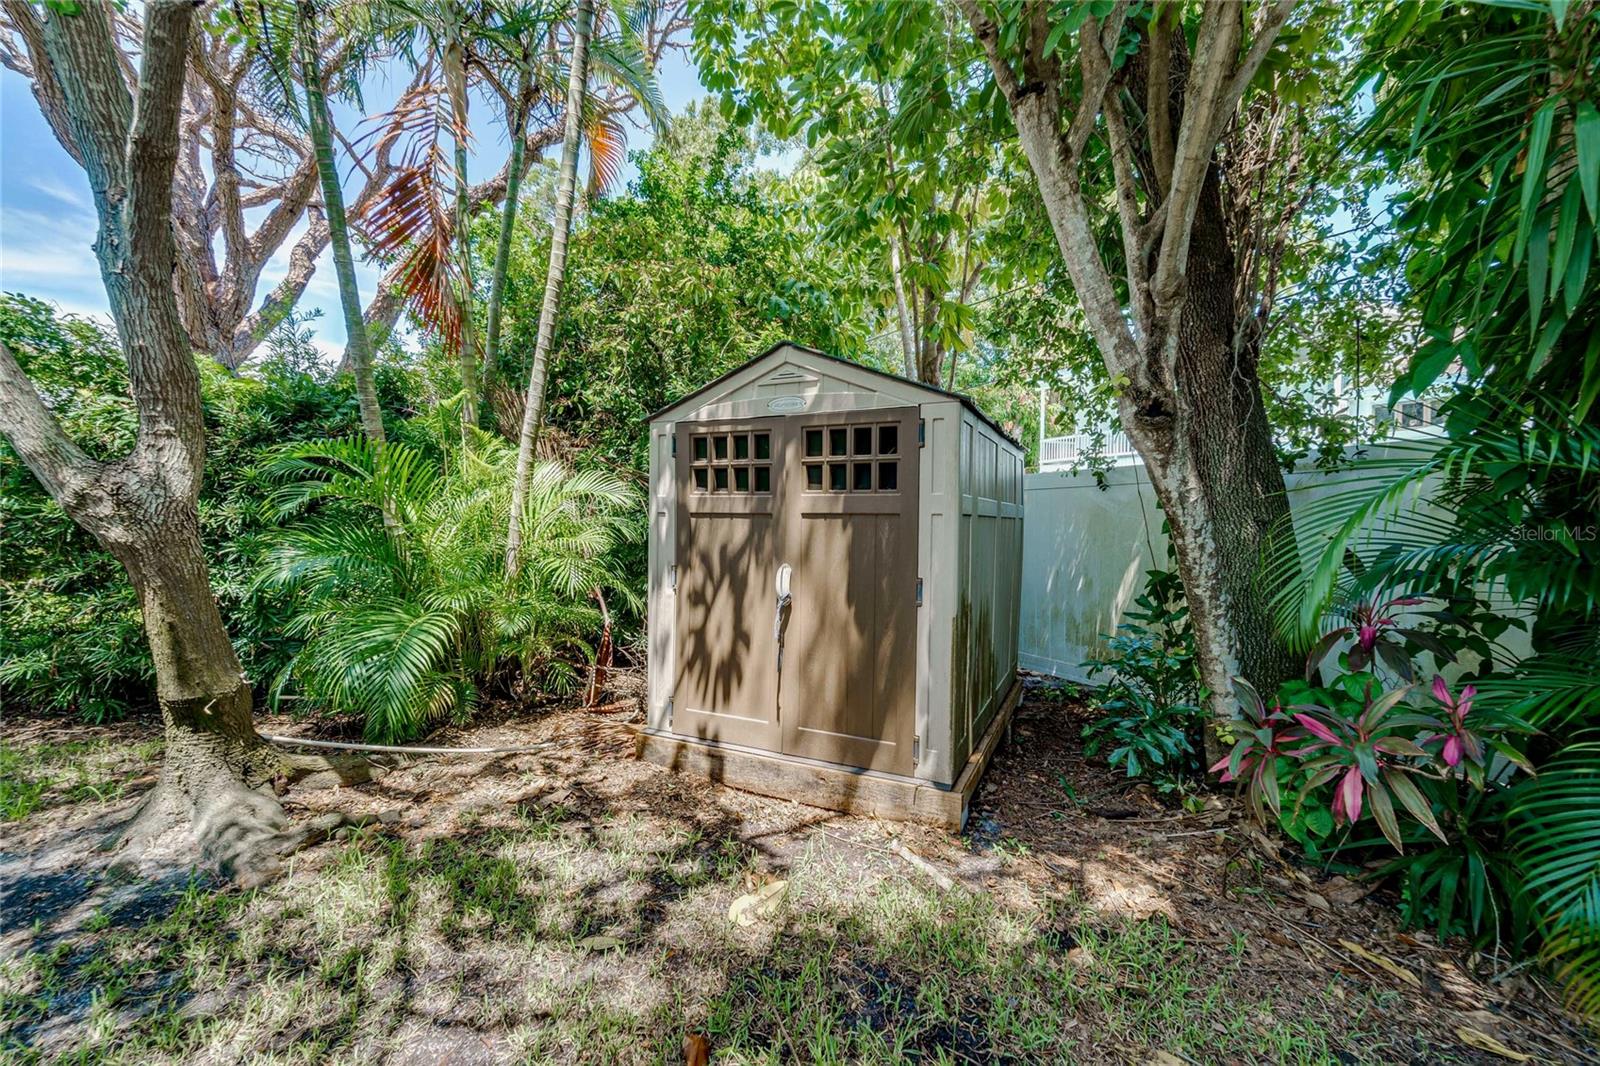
1315,900
1378,960
1342,890
748,908
1484,1042
696,1050
599,943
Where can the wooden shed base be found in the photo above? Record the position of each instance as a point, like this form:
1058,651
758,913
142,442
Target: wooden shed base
837,788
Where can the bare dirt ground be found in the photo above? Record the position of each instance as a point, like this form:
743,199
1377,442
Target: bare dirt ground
573,905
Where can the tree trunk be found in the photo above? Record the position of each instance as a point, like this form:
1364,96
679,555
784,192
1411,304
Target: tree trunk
508,220
358,347
216,773
1189,400
142,507
908,340
1215,471
533,410
456,81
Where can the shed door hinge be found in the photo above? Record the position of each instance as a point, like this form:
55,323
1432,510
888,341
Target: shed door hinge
674,445
669,712
922,432
673,576
919,592
916,748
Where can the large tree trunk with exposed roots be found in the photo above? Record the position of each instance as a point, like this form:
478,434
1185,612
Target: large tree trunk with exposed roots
217,772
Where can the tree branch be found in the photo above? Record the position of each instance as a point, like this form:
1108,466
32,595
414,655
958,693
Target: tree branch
1214,51
129,150
1095,58
1133,247
65,470
1266,36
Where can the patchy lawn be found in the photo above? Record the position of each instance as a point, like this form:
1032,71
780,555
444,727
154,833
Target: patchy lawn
572,905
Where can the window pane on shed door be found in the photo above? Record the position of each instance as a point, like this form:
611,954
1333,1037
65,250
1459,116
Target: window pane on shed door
863,477
700,448
701,476
764,478
838,476
888,440
838,441
741,446
719,447
888,477
741,479
814,477
814,442
863,435
719,478
763,446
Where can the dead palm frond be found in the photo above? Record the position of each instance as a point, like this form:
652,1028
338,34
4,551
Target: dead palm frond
411,217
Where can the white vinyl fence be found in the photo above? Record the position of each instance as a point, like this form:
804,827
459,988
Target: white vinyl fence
1085,551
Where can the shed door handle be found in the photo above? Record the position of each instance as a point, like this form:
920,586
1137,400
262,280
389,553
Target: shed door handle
785,572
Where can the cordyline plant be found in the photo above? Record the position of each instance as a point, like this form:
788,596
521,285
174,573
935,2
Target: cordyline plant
1373,758
1379,638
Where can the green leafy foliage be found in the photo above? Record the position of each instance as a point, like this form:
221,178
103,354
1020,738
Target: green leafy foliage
1150,717
393,560
71,639
703,263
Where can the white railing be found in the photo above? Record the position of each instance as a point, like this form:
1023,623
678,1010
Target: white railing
1061,453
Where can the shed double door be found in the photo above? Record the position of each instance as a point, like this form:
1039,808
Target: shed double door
832,496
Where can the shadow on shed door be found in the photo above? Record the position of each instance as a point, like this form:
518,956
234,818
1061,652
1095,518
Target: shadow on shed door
728,474
833,496
849,530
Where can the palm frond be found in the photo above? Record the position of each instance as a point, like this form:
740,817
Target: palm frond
1557,834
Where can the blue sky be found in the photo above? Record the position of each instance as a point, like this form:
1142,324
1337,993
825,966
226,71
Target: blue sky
47,222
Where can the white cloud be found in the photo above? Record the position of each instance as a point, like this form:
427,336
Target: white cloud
73,196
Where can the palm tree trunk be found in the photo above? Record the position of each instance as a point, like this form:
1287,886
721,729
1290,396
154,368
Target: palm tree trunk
359,350
533,410
456,80
508,219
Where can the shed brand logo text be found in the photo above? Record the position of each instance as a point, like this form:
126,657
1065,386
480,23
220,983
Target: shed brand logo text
786,403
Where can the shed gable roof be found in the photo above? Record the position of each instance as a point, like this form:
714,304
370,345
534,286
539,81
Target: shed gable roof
804,362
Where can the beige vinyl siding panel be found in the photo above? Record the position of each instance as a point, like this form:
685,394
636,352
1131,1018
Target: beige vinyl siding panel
984,642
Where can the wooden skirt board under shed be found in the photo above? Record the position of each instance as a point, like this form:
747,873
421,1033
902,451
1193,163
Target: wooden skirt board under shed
833,497
821,784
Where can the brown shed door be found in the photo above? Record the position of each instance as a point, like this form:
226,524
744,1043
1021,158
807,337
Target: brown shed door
833,496
848,688
729,475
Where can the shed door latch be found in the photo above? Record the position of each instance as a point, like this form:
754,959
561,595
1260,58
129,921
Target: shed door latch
673,576
916,748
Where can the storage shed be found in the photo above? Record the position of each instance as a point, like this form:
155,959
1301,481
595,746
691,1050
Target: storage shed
835,556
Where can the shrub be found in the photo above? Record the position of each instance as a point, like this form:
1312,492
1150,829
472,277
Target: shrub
1436,775
393,560
1149,711
71,640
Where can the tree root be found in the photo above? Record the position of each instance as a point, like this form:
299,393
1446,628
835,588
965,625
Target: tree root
226,796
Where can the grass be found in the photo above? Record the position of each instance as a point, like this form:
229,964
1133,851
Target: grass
73,772
388,941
